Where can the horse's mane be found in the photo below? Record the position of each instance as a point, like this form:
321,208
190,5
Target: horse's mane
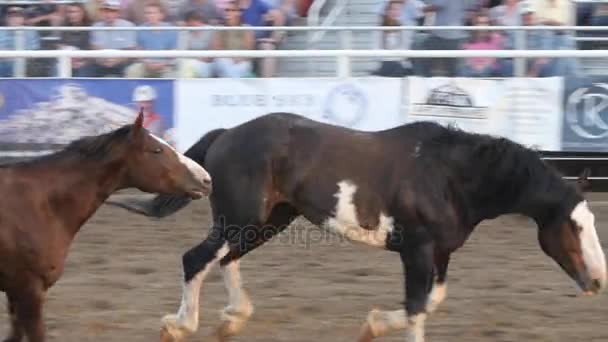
97,147
493,166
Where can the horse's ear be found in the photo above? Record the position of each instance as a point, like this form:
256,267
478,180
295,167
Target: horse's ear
583,182
139,123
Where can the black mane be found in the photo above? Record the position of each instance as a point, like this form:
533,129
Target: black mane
492,172
86,148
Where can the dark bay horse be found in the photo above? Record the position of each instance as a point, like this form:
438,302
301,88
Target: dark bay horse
45,202
418,190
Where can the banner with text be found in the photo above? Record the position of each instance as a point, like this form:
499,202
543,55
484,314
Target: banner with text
205,104
38,114
585,125
526,110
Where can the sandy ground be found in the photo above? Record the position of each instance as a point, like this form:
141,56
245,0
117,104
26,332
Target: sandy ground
123,274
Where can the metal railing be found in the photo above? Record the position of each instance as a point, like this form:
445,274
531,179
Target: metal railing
343,56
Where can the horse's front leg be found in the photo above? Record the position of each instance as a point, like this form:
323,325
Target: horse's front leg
197,263
16,334
439,289
417,260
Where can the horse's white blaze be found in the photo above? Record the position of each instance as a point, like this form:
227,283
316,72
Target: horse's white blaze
436,296
593,255
346,223
197,170
187,316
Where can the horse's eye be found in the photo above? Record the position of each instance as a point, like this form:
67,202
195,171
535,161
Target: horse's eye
158,150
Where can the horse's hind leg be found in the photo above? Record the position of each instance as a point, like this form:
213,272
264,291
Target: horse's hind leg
16,327
239,308
197,262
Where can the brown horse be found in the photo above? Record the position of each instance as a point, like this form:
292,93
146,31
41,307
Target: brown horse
45,201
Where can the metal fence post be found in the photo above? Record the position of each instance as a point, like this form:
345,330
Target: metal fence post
519,64
343,61
19,66
65,66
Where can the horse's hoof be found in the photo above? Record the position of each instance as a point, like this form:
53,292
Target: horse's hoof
171,330
366,334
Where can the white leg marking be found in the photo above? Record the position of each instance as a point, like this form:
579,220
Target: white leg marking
346,223
381,323
593,255
187,316
415,331
436,296
239,307
197,170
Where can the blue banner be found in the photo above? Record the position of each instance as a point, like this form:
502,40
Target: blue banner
585,120
50,112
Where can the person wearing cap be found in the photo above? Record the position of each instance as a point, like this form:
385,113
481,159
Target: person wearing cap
144,97
118,40
154,40
8,39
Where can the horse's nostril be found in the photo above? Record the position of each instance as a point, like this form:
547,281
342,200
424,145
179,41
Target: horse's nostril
207,181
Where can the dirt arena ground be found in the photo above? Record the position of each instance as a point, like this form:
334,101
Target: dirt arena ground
123,274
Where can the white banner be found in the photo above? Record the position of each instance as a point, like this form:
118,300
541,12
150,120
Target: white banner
361,103
526,110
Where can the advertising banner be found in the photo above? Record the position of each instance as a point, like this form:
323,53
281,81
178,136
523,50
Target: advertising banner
585,125
38,114
526,110
206,104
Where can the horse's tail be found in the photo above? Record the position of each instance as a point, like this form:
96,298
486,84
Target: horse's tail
164,205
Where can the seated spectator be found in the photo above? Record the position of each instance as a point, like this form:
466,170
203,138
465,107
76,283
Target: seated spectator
207,10
8,39
506,14
233,40
537,40
483,40
260,13
559,13
76,15
154,40
44,13
119,40
446,13
393,40
95,9
135,10
196,40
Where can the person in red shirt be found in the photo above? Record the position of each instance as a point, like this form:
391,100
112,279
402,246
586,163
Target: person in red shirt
144,97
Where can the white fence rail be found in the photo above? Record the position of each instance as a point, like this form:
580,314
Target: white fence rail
343,56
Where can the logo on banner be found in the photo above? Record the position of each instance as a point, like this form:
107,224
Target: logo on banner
345,105
586,111
449,100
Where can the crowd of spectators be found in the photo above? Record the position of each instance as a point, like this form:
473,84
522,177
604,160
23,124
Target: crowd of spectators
483,13
148,13
249,13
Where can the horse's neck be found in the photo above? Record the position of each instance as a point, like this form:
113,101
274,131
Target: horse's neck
82,192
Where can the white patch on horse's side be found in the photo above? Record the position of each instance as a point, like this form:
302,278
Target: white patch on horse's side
436,296
415,329
593,255
187,316
197,170
345,221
